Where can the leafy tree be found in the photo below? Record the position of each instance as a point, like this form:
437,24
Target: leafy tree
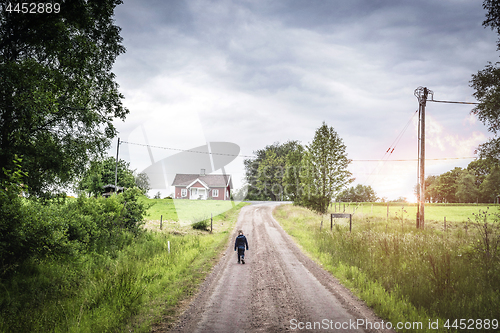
324,169
480,168
270,175
102,172
487,85
431,192
291,180
360,193
142,182
490,188
446,186
253,169
58,95
467,190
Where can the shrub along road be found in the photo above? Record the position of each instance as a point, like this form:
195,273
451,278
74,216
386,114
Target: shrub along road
278,289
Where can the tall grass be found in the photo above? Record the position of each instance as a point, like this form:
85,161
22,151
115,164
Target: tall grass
118,289
405,274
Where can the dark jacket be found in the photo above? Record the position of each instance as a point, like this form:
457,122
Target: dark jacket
241,242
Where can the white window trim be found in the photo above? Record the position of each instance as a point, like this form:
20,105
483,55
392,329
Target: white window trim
215,193
184,192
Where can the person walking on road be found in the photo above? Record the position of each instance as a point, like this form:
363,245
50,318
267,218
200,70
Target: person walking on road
240,244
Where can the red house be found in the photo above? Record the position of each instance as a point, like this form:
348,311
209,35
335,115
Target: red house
202,186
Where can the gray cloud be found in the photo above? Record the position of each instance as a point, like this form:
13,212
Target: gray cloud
257,72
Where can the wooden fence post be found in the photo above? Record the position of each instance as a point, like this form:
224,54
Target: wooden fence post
331,222
350,223
161,222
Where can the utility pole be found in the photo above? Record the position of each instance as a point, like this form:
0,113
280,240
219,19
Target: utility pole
116,166
421,93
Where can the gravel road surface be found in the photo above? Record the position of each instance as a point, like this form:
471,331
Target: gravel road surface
279,289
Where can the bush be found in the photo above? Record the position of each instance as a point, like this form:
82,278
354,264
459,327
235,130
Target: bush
30,230
201,225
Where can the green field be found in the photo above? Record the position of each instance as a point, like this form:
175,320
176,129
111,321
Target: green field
435,214
405,274
186,211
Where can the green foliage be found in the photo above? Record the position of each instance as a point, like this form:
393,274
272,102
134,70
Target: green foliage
127,287
33,231
486,83
444,188
270,175
102,172
59,95
142,182
201,225
291,181
480,168
488,242
324,169
360,193
270,162
467,190
480,182
490,188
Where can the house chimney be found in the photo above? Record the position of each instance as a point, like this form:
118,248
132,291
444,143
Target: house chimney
202,172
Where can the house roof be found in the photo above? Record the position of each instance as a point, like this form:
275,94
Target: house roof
199,181
209,180
109,186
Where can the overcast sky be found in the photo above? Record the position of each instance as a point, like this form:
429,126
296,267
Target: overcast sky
258,72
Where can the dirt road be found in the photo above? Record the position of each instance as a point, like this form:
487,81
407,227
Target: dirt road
278,289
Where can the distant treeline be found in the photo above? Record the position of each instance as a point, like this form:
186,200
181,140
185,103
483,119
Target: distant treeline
479,182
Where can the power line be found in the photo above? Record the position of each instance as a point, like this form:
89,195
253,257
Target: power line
389,151
183,150
250,156
416,159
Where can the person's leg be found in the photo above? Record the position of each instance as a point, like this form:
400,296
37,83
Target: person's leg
242,256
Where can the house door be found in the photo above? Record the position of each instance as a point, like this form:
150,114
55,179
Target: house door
198,193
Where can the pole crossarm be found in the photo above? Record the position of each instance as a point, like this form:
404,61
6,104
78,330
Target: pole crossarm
452,102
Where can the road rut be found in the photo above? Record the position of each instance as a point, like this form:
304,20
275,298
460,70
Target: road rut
277,289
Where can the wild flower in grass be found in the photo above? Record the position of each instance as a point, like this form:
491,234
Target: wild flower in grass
488,242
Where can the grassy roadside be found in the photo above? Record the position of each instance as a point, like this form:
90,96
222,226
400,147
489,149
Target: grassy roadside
131,288
404,275
195,253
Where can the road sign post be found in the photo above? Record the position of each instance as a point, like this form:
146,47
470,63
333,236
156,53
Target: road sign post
341,216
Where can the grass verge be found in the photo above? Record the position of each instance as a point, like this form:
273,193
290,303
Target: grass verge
406,275
127,289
